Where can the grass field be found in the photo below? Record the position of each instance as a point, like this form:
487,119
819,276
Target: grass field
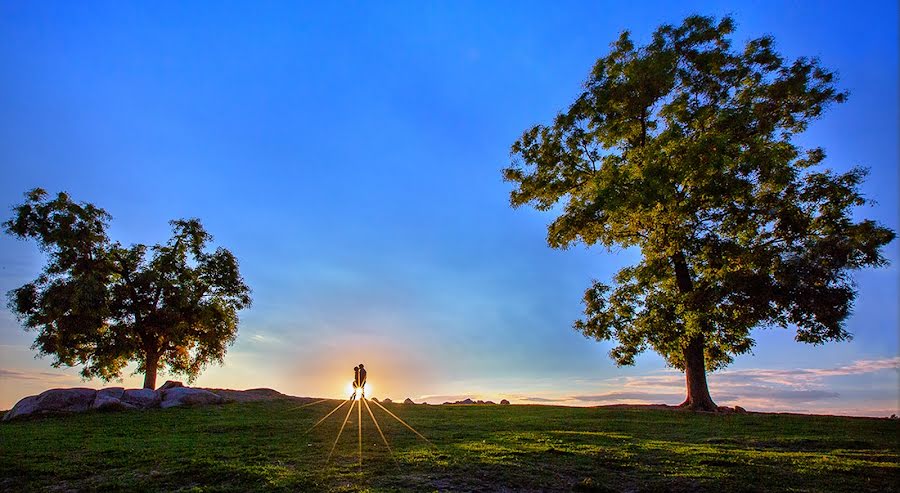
262,446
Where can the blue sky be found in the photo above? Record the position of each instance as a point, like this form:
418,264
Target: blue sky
350,156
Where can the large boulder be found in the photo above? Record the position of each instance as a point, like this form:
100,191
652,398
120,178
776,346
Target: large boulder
504,402
408,401
24,407
114,392
54,401
141,398
185,396
107,402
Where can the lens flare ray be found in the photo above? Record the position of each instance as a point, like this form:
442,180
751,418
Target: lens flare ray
329,414
340,431
359,427
378,427
307,404
404,423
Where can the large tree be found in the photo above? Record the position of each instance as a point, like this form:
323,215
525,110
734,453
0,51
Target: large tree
685,150
101,305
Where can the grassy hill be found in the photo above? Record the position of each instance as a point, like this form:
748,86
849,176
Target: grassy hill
262,446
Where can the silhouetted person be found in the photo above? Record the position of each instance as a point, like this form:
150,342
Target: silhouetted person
355,381
361,379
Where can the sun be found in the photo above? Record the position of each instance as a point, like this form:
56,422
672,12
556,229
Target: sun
357,393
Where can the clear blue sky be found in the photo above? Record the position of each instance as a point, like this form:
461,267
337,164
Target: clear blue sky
350,156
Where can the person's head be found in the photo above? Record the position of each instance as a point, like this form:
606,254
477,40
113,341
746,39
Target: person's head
360,365
355,368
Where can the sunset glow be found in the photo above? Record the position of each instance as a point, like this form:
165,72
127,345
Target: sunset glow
370,219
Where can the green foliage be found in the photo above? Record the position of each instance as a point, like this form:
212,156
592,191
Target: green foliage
261,447
101,305
684,149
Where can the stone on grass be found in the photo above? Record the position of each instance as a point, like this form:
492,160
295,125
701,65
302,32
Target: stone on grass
504,402
66,400
24,407
54,401
105,402
141,398
170,384
114,392
408,401
387,401
739,409
185,396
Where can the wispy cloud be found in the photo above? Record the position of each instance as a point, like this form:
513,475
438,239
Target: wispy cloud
629,396
6,373
756,388
541,399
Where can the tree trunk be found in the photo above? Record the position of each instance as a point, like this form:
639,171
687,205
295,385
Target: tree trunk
698,398
151,364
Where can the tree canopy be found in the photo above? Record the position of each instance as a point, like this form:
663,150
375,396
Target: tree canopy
101,305
685,149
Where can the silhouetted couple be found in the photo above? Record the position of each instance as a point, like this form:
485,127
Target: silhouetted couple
359,381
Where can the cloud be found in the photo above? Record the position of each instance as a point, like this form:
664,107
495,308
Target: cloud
782,390
630,396
32,375
541,399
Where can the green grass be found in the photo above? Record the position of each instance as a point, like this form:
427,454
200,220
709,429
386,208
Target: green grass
262,446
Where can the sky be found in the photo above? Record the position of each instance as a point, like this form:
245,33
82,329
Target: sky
349,155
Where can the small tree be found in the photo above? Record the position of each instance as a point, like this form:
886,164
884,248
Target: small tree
101,305
683,149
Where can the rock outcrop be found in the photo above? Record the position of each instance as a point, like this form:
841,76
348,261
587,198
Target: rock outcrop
504,402
186,396
170,394
53,401
408,401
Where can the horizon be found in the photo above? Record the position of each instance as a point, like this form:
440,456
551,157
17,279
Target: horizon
351,160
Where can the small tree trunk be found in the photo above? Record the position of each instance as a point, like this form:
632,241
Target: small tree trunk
151,364
698,398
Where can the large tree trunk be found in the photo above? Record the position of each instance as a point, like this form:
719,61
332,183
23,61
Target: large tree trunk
151,364
698,398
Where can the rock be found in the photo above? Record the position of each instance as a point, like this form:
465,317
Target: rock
739,410
408,401
24,407
54,401
105,402
479,402
114,392
504,402
185,396
386,401
66,400
492,403
170,384
141,398
446,403
467,401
